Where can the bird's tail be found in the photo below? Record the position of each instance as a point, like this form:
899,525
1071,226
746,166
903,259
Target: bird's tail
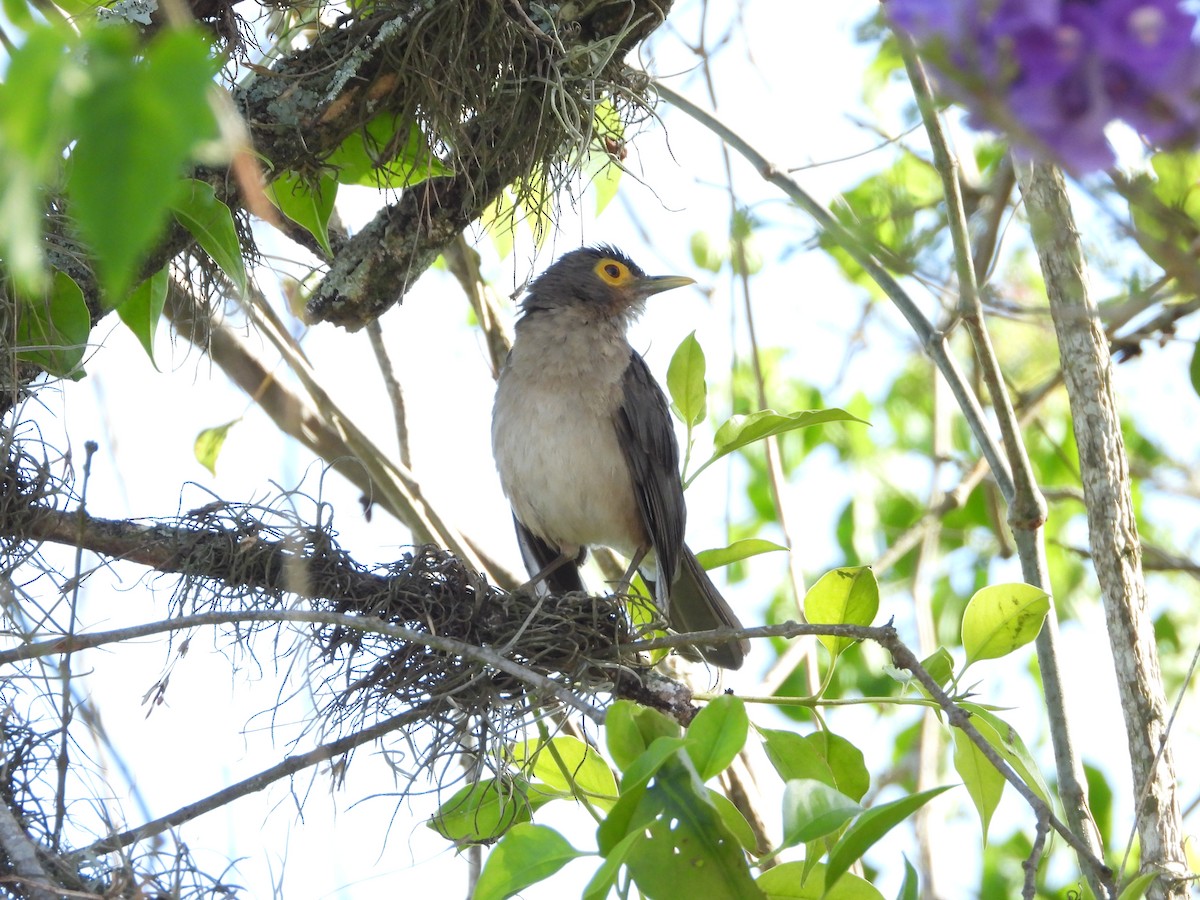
697,605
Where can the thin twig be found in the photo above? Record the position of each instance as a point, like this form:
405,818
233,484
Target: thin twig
253,784
67,705
394,391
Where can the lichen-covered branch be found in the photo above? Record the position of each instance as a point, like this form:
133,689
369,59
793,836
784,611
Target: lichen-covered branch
1116,550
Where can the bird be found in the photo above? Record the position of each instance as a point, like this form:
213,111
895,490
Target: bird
584,445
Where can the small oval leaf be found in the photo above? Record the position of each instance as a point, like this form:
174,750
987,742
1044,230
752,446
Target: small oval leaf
1002,617
307,203
845,596
568,765
802,881
717,734
526,855
685,381
52,331
209,443
482,811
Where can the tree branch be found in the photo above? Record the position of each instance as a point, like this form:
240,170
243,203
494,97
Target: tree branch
1112,525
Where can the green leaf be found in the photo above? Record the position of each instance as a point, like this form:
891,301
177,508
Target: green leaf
733,820
569,765
1177,172
1002,617
17,12
1136,889
143,115
526,855
629,812
845,596
717,734
795,758
981,779
705,254
602,883
740,431
736,552
629,729
52,331
482,811
1004,739
791,881
870,827
307,203
940,666
209,443
35,114
686,850
386,154
210,222
910,888
744,257
142,309
813,810
605,179
685,381
845,761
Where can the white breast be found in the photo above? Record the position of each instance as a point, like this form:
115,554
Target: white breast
553,436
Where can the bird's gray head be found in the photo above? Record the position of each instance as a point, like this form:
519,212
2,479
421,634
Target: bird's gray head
600,278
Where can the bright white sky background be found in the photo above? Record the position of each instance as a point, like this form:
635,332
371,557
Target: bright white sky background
791,84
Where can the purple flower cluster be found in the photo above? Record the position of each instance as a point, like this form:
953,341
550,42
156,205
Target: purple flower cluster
1053,73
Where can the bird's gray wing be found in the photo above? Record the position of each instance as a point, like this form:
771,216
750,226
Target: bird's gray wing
647,439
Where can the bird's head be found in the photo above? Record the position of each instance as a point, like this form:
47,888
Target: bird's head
597,278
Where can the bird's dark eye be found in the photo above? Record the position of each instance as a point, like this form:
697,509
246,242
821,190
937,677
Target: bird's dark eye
612,271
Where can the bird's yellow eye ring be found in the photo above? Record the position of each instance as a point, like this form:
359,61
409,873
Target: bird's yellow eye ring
613,272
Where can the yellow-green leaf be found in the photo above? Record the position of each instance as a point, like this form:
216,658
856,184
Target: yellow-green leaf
482,811
568,765
1002,617
845,596
983,782
685,382
736,552
209,443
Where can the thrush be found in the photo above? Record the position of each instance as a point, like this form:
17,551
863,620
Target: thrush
584,445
